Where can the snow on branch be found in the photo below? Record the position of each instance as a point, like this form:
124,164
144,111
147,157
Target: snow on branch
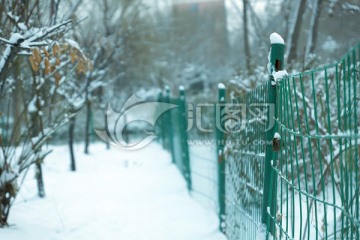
32,38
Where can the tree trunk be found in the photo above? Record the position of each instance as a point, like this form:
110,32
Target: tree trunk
295,33
39,179
36,129
17,108
246,36
286,7
313,30
87,126
107,129
71,144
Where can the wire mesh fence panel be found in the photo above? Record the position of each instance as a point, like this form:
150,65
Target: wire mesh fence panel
318,164
203,161
175,125
245,152
204,175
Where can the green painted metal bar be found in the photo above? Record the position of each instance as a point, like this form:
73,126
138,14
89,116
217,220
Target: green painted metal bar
159,123
270,186
169,127
356,159
303,103
318,144
184,138
220,110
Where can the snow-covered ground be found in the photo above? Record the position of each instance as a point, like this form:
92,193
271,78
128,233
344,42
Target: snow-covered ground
114,194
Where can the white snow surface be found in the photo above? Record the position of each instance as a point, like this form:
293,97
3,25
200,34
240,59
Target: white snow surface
261,233
129,195
275,38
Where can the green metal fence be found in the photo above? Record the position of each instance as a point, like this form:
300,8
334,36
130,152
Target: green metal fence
318,166
283,159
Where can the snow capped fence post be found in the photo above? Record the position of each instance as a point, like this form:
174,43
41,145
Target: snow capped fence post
183,137
220,143
276,63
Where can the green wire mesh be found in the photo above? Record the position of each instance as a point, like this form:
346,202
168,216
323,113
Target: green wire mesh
245,155
318,165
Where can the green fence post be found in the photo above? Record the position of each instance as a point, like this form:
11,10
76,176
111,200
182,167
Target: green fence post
160,123
184,138
165,122
220,143
270,178
168,128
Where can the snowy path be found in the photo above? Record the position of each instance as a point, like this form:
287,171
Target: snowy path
114,195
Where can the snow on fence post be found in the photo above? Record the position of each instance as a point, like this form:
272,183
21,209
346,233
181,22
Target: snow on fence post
184,138
276,63
220,143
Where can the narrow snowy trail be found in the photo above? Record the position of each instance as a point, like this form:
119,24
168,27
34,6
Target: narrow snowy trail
136,195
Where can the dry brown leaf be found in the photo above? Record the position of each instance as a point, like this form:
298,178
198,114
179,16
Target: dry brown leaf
45,52
37,55
34,66
56,50
81,67
57,78
52,68
47,66
73,56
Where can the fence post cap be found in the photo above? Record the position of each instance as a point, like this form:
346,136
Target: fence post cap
275,38
221,86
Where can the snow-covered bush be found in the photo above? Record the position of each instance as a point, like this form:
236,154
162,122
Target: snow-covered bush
35,64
